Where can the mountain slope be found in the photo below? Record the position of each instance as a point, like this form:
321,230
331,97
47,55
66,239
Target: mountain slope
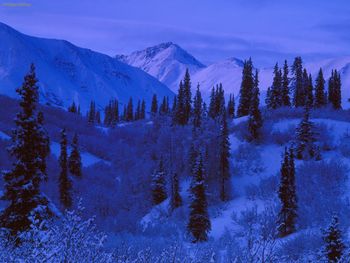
67,72
167,62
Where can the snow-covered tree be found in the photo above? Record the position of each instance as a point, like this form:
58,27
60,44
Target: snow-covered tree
334,247
255,121
199,222
65,184
74,161
224,160
29,149
158,186
287,195
175,198
305,139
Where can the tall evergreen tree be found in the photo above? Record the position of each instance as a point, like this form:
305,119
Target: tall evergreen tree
98,117
65,184
74,161
231,107
187,97
224,160
334,248
154,105
309,93
320,95
73,108
276,89
255,121
212,107
129,111
305,139
29,149
159,193
175,198
334,90
197,109
297,83
287,195
138,111
199,222
143,110
92,112
246,88
285,85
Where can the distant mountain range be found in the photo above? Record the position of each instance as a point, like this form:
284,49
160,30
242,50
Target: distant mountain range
168,62
67,72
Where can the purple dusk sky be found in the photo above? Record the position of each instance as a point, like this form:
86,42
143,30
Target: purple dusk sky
210,30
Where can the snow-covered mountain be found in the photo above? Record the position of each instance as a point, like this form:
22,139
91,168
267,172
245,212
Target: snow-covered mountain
161,62
167,62
67,72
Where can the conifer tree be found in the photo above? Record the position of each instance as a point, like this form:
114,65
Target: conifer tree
197,109
231,107
30,147
334,248
199,222
309,93
92,112
73,108
255,121
285,85
187,97
138,111
276,89
180,113
268,98
334,90
305,139
129,111
154,105
74,161
159,193
320,95
212,111
287,195
224,159
143,110
246,88
175,199
98,117
65,184
297,83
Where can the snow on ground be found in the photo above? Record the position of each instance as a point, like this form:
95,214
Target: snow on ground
87,158
4,136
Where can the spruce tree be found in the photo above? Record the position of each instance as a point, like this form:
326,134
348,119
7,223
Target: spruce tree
212,107
297,83
187,97
129,111
334,90
143,110
309,93
320,95
334,248
175,199
92,112
197,109
231,107
159,193
224,160
305,139
154,105
255,121
199,222
98,117
246,88
74,161
73,108
179,116
138,111
285,85
276,89
287,195
30,147
65,184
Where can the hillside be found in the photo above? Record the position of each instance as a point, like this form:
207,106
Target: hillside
68,73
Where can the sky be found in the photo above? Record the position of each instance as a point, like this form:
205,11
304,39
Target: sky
266,30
